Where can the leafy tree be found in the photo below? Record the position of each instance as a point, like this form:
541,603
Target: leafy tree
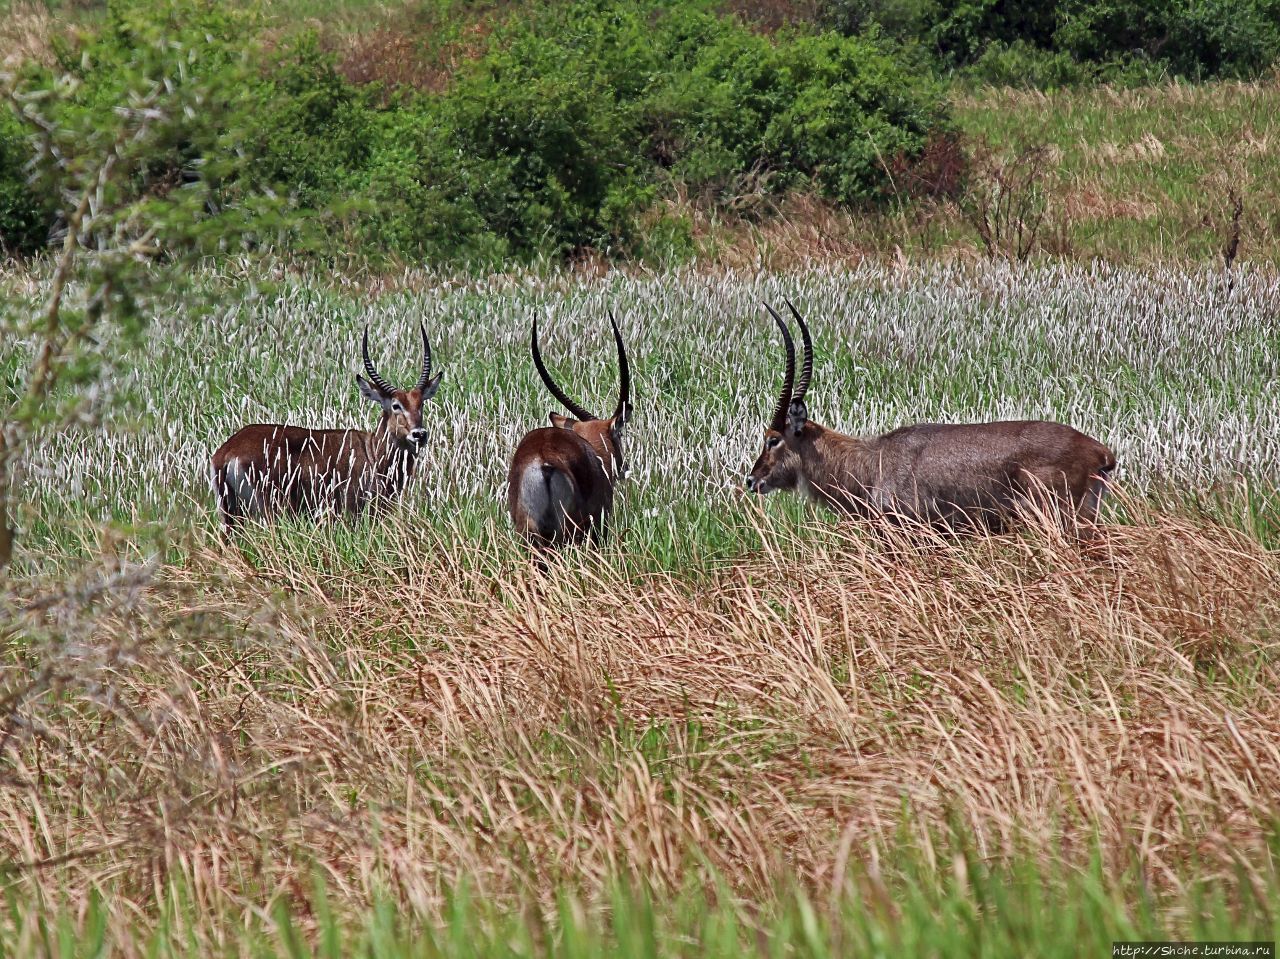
137,165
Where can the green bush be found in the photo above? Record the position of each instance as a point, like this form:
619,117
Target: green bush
310,129
191,51
561,135
426,199
830,109
25,217
1069,41
903,20
584,113
1020,64
963,29
1194,39
552,114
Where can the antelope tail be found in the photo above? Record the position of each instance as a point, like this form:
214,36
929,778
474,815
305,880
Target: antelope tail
545,495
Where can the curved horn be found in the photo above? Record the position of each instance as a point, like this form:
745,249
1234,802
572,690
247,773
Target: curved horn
622,412
426,360
370,372
806,371
779,420
558,393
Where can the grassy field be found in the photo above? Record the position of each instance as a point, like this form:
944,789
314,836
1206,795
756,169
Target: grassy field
741,727
1147,174
1175,371
738,728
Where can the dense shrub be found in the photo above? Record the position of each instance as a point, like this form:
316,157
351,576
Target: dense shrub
192,52
24,215
901,19
561,133
1066,41
553,112
1022,64
1192,38
575,117
310,129
583,113
821,107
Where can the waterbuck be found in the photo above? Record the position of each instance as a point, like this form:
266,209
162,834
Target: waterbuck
561,481
973,477
262,471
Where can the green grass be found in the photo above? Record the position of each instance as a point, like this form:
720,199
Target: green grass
389,705
948,902
1144,174
1173,370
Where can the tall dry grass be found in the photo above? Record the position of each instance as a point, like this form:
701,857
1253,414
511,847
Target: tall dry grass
26,34
425,714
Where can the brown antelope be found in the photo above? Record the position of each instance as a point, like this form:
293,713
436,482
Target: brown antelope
561,481
265,470
973,476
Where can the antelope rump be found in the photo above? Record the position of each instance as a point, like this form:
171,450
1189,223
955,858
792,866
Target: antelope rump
959,477
561,482
265,470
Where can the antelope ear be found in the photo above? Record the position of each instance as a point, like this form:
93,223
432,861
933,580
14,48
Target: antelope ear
797,417
371,392
432,385
561,422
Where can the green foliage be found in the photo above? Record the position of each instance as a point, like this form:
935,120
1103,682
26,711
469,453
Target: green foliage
425,197
963,29
577,117
1022,64
310,127
563,133
24,213
1190,38
901,19
131,142
552,112
950,901
1069,41
824,108
181,67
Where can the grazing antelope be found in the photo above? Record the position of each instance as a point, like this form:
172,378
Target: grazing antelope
972,477
265,470
560,485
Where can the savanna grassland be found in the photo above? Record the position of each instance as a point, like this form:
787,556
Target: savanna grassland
742,726
816,740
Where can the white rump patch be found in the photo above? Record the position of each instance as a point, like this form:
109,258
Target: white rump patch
241,488
544,499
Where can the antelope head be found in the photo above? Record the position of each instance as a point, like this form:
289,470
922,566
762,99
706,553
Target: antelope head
604,435
401,409
781,464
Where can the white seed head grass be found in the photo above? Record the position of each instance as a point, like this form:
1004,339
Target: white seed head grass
1176,371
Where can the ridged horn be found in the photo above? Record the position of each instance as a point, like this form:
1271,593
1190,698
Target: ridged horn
426,360
806,371
374,377
570,405
779,420
623,410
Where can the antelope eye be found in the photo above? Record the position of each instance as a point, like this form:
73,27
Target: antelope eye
396,407
772,441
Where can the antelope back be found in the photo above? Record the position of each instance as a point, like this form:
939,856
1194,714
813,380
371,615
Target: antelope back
560,485
960,474
558,490
263,470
